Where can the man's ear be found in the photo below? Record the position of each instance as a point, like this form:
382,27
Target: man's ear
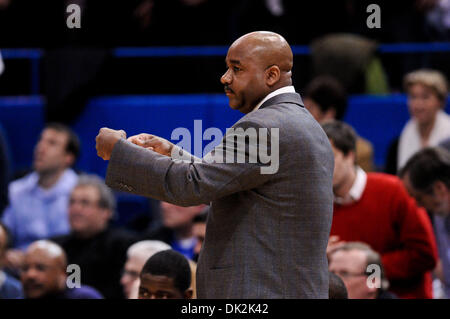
440,189
69,159
107,213
62,278
188,293
273,74
352,156
330,114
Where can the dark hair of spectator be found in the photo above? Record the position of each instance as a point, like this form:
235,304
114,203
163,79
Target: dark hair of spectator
342,135
73,143
328,93
172,264
426,167
337,289
201,218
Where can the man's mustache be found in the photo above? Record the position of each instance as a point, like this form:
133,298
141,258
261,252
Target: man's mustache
32,284
228,89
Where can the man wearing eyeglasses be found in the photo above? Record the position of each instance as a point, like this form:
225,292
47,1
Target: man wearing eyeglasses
93,244
137,255
361,270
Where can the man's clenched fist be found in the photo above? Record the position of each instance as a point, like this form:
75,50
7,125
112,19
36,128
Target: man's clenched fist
105,141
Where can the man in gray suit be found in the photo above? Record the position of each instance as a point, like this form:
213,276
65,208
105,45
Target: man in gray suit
268,226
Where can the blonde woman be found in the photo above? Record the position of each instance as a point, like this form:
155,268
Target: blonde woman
429,124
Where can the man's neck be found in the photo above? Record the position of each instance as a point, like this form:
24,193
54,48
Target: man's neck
48,180
91,233
344,189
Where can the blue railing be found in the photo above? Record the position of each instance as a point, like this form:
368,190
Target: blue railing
34,55
399,48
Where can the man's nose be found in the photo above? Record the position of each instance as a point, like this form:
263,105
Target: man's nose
74,208
226,78
41,146
30,273
125,279
38,147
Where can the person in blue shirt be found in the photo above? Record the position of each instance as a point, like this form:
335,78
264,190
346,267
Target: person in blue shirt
38,202
5,168
177,228
426,176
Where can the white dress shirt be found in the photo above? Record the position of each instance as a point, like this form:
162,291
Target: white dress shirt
286,89
357,189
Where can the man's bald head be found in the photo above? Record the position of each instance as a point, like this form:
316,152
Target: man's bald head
50,251
44,270
257,63
269,48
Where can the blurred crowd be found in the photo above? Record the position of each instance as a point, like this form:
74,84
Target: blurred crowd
393,222
390,236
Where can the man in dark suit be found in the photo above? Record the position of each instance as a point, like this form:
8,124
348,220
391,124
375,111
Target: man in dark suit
93,244
269,223
426,176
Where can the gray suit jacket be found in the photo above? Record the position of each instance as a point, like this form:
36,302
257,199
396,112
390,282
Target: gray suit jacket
266,234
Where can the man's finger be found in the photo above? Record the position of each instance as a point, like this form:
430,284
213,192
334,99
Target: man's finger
136,140
333,239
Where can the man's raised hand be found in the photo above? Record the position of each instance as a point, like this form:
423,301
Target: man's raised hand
152,142
105,141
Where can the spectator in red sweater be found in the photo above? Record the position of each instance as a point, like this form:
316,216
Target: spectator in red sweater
375,208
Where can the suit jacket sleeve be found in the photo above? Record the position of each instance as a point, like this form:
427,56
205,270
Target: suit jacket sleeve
186,183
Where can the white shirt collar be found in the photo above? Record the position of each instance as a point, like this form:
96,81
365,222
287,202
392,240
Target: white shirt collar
357,189
286,89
